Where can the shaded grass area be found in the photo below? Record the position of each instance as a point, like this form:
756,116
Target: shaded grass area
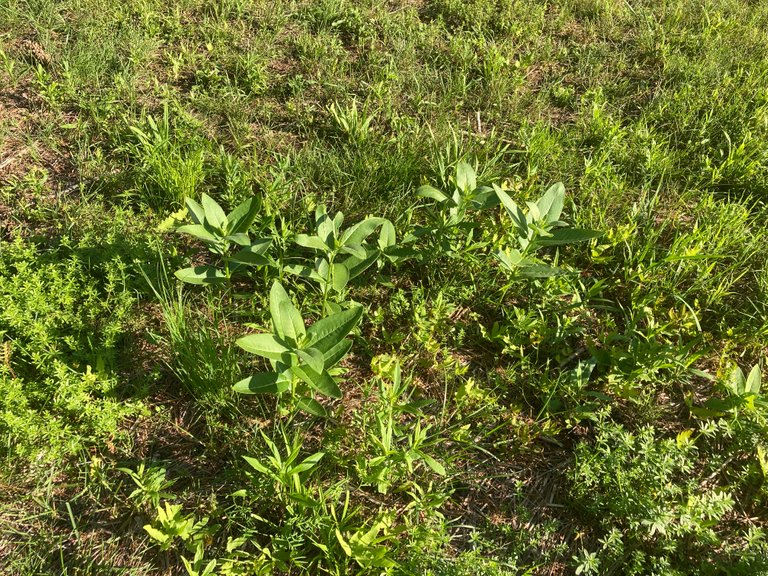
581,422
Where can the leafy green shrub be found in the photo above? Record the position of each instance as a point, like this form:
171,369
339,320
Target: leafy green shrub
655,514
62,321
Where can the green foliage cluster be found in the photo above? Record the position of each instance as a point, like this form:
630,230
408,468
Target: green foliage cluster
62,321
391,345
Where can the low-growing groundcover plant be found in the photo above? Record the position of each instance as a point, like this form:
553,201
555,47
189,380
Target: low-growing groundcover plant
450,363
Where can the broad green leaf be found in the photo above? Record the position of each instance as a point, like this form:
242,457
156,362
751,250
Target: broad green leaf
303,271
266,345
466,179
311,406
251,255
400,253
754,380
328,332
356,266
320,381
201,275
355,250
336,353
214,215
263,383
198,231
239,238
358,233
156,534
511,259
196,212
311,242
338,220
514,211
550,205
313,358
241,218
484,198
324,227
285,317
540,271
736,382
533,213
340,276
387,235
427,191
562,236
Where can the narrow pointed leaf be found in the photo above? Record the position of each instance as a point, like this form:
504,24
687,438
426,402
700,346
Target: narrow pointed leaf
433,464
561,236
256,465
308,463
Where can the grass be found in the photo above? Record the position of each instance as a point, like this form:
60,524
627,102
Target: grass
488,424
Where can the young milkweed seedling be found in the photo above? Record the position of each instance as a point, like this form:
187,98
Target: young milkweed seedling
300,357
535,228
344,254
220,231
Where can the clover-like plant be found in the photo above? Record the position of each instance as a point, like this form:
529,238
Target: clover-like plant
343,254
226,235
301,358
537,227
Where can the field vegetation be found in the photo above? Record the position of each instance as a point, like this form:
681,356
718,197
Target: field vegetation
408,287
